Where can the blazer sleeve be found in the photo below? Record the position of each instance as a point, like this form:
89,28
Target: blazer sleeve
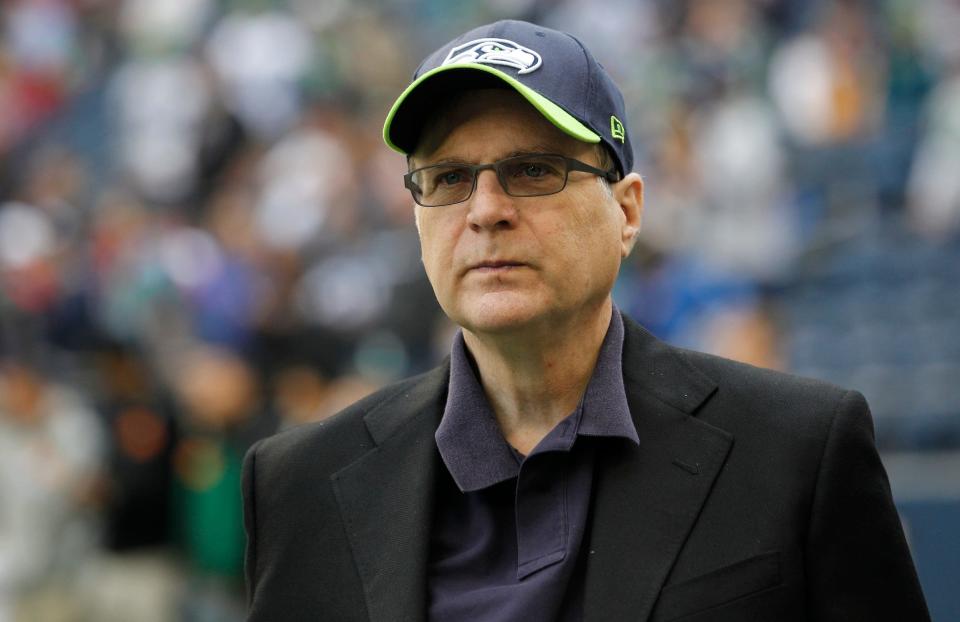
858,565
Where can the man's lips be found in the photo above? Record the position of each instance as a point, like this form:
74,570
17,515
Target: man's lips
495,265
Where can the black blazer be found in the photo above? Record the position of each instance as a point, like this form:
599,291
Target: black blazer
754,495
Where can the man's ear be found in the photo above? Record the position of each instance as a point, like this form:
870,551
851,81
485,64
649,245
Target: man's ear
628,192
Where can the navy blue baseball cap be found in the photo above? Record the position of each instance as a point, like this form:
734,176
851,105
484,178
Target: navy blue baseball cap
551,69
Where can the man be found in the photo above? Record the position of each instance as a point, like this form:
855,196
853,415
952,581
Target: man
563,464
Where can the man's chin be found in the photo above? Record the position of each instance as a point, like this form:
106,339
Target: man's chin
502,317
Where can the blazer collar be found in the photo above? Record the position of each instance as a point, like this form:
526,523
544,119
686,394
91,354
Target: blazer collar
386,499
647,498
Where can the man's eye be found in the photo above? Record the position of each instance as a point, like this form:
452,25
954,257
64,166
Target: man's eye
450,178
534,170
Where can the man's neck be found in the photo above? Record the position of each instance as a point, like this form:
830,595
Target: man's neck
535,379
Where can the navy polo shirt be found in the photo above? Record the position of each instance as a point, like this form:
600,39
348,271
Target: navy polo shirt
508,528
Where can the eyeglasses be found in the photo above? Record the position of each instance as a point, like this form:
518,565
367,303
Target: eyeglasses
529,175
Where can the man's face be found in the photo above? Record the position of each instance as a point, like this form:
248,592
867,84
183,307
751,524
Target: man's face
499,263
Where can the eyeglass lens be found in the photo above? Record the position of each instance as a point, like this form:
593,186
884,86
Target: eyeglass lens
521,176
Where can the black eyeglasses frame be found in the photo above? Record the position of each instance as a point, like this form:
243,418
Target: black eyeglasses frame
572,164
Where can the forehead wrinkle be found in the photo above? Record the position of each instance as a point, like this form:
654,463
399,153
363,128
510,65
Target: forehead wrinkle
536,148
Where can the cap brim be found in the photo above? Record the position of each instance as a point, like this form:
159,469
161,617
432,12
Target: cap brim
551,111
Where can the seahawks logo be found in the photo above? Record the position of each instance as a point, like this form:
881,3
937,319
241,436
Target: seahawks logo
495,52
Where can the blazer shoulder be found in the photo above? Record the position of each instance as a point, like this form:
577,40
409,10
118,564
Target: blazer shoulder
752,379
779,407
341,438
675,374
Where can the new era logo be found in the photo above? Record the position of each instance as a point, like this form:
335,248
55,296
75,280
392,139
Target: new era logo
617,131
495,52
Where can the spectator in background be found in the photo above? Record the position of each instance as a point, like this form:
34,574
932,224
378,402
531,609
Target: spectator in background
135,576
934,186
221,412
142,433
52,459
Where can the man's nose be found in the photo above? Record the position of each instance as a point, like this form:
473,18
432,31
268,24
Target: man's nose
490,206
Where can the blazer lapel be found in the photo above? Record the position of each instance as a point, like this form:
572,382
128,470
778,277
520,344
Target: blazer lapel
386,500
648,498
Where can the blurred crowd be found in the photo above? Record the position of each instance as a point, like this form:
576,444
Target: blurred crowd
203,240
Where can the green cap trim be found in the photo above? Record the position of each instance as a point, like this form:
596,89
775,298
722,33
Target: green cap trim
553,113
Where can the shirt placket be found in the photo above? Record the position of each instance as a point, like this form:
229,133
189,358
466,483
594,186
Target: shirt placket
541,513
543,522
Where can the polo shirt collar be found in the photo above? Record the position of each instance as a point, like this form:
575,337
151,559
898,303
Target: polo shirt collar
469,438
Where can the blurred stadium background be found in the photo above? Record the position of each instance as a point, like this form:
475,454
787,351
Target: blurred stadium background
203,240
